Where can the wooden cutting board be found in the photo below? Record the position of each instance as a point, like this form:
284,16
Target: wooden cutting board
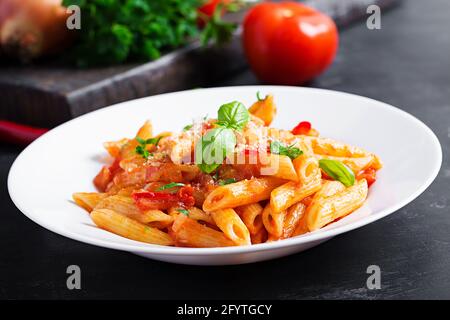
48,94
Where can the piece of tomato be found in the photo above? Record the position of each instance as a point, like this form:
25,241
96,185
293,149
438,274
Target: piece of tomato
156,200
302,128
288,43
369,174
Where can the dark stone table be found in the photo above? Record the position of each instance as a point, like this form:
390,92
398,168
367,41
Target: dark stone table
407,64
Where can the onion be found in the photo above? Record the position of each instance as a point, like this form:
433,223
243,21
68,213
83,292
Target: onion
33,28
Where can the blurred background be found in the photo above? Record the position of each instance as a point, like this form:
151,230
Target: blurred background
61,59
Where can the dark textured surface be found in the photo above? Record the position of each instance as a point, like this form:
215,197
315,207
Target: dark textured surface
407,64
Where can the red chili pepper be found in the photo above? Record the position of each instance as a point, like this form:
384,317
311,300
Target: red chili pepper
302,128
12,132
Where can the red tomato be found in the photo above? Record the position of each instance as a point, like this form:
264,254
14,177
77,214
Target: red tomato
288,43
369,174
302,128
208,9
210,6
151,200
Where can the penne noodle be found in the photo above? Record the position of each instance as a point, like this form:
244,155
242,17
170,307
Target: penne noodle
125,206
240,193
189,233
232,226
290,193
328,209
251,215
252,194
195,214
306,168
355,164
129,228
88,200
328,189
259,237
292,219
273,221
278,166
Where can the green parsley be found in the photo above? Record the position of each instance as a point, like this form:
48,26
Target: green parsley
292,152
170,186
338,171
117,31
226,181
183,211
142,147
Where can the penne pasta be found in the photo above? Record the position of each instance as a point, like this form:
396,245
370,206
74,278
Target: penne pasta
125,206
259,237
189,233
290,193
306,168
88,200
355,164
279,166
240,193
129,228
251,215
328,209
232,226
328,189
273,221
264,184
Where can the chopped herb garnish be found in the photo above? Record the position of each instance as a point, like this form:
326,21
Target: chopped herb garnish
183,211
142,147
258,96
170,186
188,127
226,181
292,152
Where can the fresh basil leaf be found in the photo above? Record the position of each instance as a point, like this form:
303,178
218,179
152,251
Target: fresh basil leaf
292,152
170,186
233,115
154,141
226,181
183,211
140,140
338,171
213,147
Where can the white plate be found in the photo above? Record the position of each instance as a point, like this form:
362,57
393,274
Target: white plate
63,161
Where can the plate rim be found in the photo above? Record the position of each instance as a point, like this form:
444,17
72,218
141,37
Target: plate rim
285,243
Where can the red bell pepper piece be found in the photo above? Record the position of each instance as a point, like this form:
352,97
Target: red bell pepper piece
302,128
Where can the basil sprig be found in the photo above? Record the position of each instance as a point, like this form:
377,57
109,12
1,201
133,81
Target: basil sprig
217,143
170,186
292,152
233,115
338,171
213,147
